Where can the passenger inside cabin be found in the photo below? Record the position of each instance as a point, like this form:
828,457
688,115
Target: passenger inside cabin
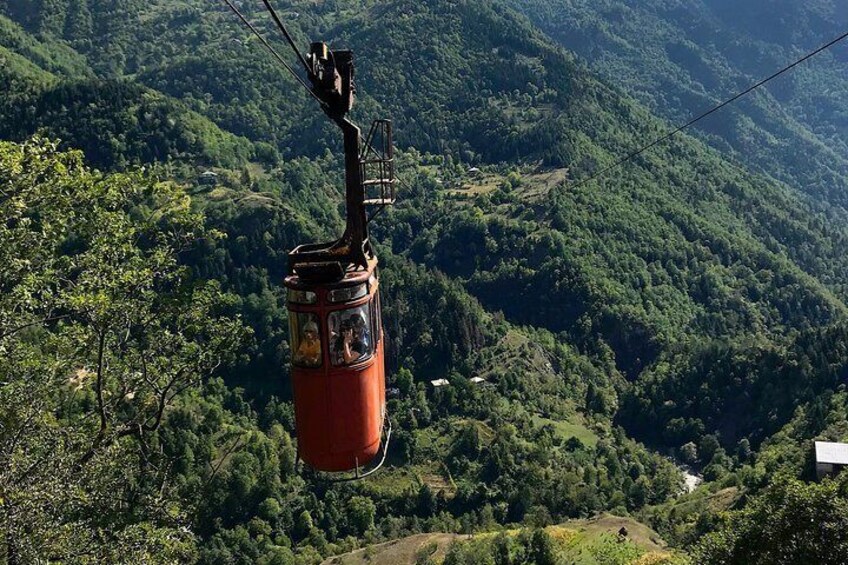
355,338
309,351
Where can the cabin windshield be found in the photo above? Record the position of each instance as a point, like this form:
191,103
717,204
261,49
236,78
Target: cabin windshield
306,339
350,335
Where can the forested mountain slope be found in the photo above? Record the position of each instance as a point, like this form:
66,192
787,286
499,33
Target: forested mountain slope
118,123
114,121
684,57
47,52
696,302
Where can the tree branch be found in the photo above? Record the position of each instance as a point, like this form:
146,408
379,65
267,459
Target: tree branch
13,331
236,444
101,357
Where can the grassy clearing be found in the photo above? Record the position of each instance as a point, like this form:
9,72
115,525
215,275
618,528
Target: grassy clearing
433,440
395,481
594,541
517,352
638,533
402,551
480,183
568,430
537,185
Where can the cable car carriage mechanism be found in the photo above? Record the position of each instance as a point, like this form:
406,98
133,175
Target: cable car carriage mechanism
338,372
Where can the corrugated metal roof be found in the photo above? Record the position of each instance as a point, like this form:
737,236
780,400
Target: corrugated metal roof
440,382
829,452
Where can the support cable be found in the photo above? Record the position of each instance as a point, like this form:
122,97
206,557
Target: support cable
283,29
693,121
273,51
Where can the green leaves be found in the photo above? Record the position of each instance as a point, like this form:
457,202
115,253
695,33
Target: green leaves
101,332
790,522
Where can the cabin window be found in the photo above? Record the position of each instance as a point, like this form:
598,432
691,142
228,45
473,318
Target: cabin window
306,339
302,297
350,335
377,319
347,294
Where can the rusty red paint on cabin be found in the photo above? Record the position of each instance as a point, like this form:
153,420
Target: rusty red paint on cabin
340,410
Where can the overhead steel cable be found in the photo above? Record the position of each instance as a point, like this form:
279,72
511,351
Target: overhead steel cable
273,51
283,29
712,110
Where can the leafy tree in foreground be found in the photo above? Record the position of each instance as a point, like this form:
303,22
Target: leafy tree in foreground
792,522
100,331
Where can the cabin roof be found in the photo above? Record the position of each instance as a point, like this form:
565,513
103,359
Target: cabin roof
440,382
830,452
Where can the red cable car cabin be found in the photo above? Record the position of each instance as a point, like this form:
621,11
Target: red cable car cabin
338,375
337,342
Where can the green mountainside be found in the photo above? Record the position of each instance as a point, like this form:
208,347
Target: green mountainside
48,53
701,52
119,123
114,121
687,302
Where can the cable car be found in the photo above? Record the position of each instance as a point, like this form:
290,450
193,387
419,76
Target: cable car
333,300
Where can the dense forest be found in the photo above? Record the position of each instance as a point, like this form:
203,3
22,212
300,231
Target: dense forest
690,308
704,51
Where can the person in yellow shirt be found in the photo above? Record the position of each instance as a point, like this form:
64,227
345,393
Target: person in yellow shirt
309,351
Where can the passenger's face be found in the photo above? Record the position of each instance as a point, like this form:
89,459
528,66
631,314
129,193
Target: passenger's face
310,335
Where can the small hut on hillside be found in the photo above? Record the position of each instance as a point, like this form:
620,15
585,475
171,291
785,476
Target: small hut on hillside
831,458
209,178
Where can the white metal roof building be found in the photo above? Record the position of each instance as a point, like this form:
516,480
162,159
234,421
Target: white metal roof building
831,457
830,452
